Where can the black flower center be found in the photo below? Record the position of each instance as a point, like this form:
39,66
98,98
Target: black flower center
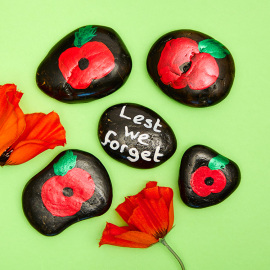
209,181
83,63
68,192
5,156
185,67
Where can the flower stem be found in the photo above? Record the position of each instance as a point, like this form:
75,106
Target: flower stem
162,240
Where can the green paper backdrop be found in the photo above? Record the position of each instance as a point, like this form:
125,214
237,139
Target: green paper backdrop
230,236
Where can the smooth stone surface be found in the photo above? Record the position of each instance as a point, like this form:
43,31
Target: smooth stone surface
136,136
191,67
206,178
87,64
66,191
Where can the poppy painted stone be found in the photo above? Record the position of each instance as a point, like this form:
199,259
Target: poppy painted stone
89,63
136,136
206,178
191,67
73,187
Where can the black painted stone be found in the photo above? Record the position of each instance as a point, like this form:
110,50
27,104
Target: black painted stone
136,136
53,219
176,55
51,80
208,186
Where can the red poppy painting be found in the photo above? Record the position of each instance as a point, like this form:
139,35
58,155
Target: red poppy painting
182,64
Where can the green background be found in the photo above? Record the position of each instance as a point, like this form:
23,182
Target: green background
232,235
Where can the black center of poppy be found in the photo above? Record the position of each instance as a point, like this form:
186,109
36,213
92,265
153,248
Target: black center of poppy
185,67
5,156
209,181
83,63
68,192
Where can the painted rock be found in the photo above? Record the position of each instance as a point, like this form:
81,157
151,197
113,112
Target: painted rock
73,187
89,63
206,178
191,67
136,136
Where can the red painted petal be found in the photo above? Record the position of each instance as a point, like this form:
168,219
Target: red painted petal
168,76
175,53
123,237
12,122
219,181
203,72
180,83
42,132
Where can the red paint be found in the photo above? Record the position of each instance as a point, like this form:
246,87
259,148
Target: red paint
101,63
198,185
202,73
60,205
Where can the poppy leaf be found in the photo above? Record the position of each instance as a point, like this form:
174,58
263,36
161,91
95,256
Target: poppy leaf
218,162
65,163
213,47
84,35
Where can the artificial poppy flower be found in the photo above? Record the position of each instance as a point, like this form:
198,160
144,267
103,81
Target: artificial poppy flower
182,64
149,216
24,136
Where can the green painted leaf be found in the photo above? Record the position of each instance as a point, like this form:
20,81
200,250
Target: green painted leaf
84,35
65,163
218,162
213,47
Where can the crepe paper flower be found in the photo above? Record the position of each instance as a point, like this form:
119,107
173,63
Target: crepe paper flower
24,136
149,216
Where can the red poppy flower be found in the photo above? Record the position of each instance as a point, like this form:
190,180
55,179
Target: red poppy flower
149,216
205,181
181,64
23,137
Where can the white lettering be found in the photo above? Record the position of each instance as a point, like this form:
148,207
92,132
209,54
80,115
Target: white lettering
134,153
143,137
138,118
123,146
114,145
157,125
106,140
131,134
122,113
145,155
157,154
148,123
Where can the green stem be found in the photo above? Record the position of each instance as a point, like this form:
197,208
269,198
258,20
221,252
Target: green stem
162,240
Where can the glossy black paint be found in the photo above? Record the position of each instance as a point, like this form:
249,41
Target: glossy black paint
51,81
165,139
194,98
194,158
42,220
